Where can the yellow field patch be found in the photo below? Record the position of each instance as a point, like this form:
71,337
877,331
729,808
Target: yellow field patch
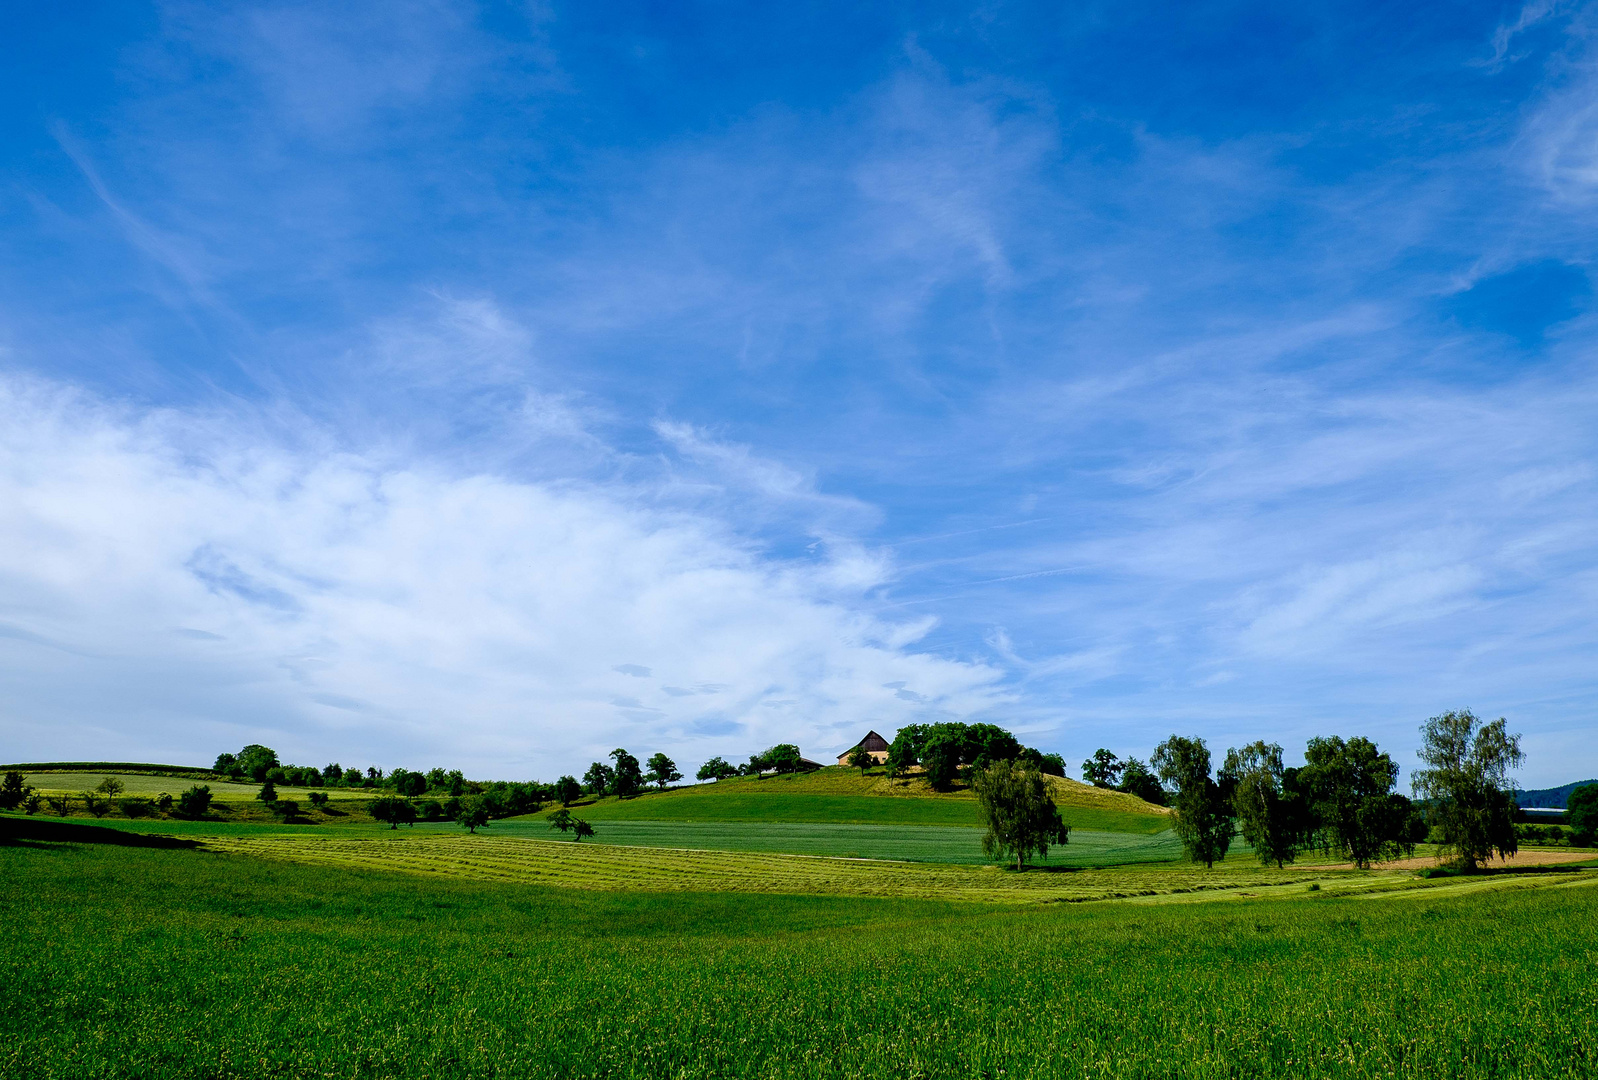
614,868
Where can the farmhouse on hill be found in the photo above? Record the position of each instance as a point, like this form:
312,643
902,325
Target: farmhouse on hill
875,745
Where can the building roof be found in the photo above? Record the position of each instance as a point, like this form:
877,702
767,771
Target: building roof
872,741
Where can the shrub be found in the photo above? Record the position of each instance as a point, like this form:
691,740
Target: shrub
195,802
431,810
95,803
11,790
136,808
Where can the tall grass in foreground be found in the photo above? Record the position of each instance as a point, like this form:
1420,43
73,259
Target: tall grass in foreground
122,962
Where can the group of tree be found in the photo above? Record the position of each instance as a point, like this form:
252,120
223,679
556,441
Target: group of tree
943,750
1342,801
624,778
1105,770
260,764
782,758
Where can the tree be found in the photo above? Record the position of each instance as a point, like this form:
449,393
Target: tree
1136,779
860,758
407,783
472,816
568,790
1022,818
629,778
940,756
1581,810
30,801
581,828
268,792
1352,810
784,757
904,753
61,804
195,802
1268,814
12,790
225,764
255,761
95,803
663,770
716,769
1467,783
457,783
333,772
111,787
599,778
1051,765
1203,811
561,819
318,799
437,780
394,810
1103,769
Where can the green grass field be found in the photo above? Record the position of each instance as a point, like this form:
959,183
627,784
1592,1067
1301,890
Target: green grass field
845,797
150,784
145,962
918,843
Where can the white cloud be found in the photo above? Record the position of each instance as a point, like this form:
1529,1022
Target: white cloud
178,583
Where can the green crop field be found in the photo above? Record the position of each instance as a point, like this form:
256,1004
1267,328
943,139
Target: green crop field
844,796
150,784
917,843
129,961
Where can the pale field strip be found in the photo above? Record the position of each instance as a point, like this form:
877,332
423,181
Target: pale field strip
617,868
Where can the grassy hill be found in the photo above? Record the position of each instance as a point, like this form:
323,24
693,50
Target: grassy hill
840,795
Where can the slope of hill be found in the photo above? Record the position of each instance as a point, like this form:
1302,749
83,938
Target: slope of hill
841,795
1549,797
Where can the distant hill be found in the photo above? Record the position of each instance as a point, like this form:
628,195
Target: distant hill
1550,797
841,795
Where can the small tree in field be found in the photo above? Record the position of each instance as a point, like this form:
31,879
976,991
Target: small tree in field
1581,810
1103,769
1467,779
561,819
581,828
1203,811
111,787
716,769
1349,785
95,803
394,811
12,790
268,792
473,816
1022,818
194,802
663,770
1268,813
61,804
860,758
599,778
568,790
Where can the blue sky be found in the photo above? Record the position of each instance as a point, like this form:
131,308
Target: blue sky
493,385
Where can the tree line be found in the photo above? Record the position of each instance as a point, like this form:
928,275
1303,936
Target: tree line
1341,802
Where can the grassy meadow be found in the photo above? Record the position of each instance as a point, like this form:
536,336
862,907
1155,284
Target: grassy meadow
844,796
135,961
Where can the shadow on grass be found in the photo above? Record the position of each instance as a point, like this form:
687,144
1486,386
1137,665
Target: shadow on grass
31,832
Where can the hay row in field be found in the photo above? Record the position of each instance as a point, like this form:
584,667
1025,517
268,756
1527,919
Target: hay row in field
666,869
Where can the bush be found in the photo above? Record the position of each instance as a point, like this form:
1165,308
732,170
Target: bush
136,808
431,810
194,802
